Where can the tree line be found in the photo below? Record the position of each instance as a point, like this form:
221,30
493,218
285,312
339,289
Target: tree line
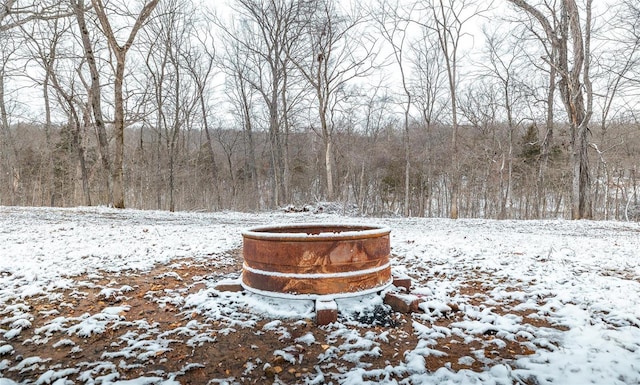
465,108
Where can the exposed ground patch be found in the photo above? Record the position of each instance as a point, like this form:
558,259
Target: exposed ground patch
108,326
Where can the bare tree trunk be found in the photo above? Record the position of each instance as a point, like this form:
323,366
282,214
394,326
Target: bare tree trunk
8,150
286,172
362,191
82,158
328,155
200,80
47,131
407,179
175,130
120,52
159,174
276,159
95,95
325,130
6,144
547,143
455,157
118,128
214,166
172,187
607,181
575,88
448,25
251,155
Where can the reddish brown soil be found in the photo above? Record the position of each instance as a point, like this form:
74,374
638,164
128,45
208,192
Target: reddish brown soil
234,355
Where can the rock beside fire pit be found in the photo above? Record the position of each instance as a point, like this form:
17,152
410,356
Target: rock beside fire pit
326,312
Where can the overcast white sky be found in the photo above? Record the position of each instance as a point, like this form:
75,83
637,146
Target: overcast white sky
25,97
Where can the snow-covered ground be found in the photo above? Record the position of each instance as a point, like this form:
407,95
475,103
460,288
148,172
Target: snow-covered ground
569,291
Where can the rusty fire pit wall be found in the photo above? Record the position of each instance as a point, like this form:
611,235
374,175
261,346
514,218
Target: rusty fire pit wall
316,260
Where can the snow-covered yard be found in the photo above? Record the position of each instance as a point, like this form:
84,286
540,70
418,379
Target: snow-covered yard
101,296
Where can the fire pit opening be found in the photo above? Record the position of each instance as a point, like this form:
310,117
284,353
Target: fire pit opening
316,261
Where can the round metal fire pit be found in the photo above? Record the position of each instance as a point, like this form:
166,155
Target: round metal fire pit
316,260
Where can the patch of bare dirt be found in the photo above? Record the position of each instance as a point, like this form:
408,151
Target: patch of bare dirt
246,354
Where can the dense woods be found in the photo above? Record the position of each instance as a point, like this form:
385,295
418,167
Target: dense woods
512,109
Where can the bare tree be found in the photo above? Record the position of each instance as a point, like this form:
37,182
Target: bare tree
95,92
630,28
199,61
448,21
41,44
8,151
572,40
541,87
428,81
618,68
240,91
502,66
119,51
428,85
265,32
69,98
13,16
14,13
551,53
338,52
394,23
168,41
